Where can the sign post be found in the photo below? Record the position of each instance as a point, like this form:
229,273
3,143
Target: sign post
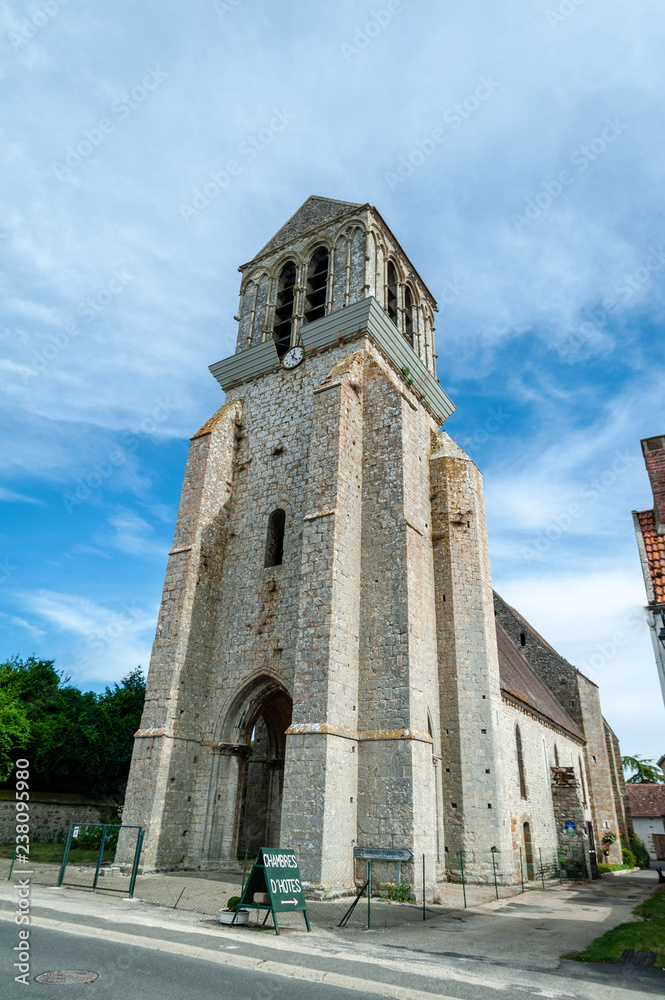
275,873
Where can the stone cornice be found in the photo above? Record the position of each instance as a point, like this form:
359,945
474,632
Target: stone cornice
359,736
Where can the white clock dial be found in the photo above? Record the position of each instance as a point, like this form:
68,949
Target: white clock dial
293,357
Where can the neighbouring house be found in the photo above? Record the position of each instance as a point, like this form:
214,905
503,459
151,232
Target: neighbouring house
650,533
647,804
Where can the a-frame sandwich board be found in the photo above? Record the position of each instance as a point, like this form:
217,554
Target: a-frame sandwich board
275,873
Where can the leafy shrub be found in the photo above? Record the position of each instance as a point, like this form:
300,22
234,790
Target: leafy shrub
90,838
232,903
640,851
629,858
397,893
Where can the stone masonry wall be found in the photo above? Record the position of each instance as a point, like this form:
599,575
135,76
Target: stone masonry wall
580,697
542,746
474,810
50,815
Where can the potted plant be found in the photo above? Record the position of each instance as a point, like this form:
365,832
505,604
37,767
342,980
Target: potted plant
228,912
607,841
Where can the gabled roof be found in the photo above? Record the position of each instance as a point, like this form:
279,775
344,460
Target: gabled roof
316,211
520,682
654,550
646,799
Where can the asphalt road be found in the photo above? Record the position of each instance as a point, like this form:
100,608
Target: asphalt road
140,974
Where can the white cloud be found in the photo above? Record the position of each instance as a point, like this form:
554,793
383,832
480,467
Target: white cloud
106,643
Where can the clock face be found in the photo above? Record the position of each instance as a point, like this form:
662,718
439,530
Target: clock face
293,357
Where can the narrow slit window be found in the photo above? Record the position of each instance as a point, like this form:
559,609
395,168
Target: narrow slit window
408,315
556,755
582,781
392,293
284,308
275,538
317,285
520,762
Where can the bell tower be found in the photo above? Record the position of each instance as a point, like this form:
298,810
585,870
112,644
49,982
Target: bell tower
302,656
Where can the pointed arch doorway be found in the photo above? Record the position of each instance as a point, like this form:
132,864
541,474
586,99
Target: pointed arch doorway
260,801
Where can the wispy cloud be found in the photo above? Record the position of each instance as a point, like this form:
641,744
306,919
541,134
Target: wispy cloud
106,642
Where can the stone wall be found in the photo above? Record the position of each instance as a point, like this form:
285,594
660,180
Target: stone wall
580,698
50,814
542,746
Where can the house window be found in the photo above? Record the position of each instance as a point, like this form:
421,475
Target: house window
392,292
408,315
275,538
520,762
556,755
522,639
317,284
284,308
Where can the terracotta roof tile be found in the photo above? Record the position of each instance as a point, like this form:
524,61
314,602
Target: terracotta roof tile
520,682
646,799
655,549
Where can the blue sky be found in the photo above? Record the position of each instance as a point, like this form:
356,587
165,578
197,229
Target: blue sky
516,151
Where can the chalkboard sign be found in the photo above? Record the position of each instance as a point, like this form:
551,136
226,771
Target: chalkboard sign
276,874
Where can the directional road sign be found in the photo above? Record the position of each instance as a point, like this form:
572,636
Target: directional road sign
383,853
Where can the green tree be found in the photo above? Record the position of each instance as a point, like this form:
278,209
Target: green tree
77,740
14,731
645,771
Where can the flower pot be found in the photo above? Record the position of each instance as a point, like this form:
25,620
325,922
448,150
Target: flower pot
226,916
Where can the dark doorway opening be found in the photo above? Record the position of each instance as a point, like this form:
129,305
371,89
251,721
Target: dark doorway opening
528,852
593,859
263,780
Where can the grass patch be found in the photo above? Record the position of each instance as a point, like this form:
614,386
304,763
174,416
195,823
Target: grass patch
54,853
604,869
646,934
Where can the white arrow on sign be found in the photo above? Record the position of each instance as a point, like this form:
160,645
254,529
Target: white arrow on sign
292,901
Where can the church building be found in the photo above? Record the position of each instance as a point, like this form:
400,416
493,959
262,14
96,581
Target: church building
331,668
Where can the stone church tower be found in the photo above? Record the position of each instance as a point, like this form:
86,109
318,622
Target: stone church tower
325,670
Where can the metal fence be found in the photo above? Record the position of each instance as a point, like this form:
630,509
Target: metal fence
378,896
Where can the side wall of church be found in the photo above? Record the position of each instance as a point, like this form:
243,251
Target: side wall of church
580,698
537,809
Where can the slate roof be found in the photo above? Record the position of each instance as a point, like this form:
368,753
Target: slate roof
646,800
655,553
316,211
520,682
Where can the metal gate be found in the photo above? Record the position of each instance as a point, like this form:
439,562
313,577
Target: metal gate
87,874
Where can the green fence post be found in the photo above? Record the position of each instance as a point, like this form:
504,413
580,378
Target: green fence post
65,855
521,870
11,867
496,887
100,856
369,894
542,870
137,855
424,914
558,864
461,864
244,872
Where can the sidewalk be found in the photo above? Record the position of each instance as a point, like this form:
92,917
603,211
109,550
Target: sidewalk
510,945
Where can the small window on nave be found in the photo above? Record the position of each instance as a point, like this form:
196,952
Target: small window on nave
284,308
520,762
317,285
391,293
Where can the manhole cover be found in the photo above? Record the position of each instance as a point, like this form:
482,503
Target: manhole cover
66,977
